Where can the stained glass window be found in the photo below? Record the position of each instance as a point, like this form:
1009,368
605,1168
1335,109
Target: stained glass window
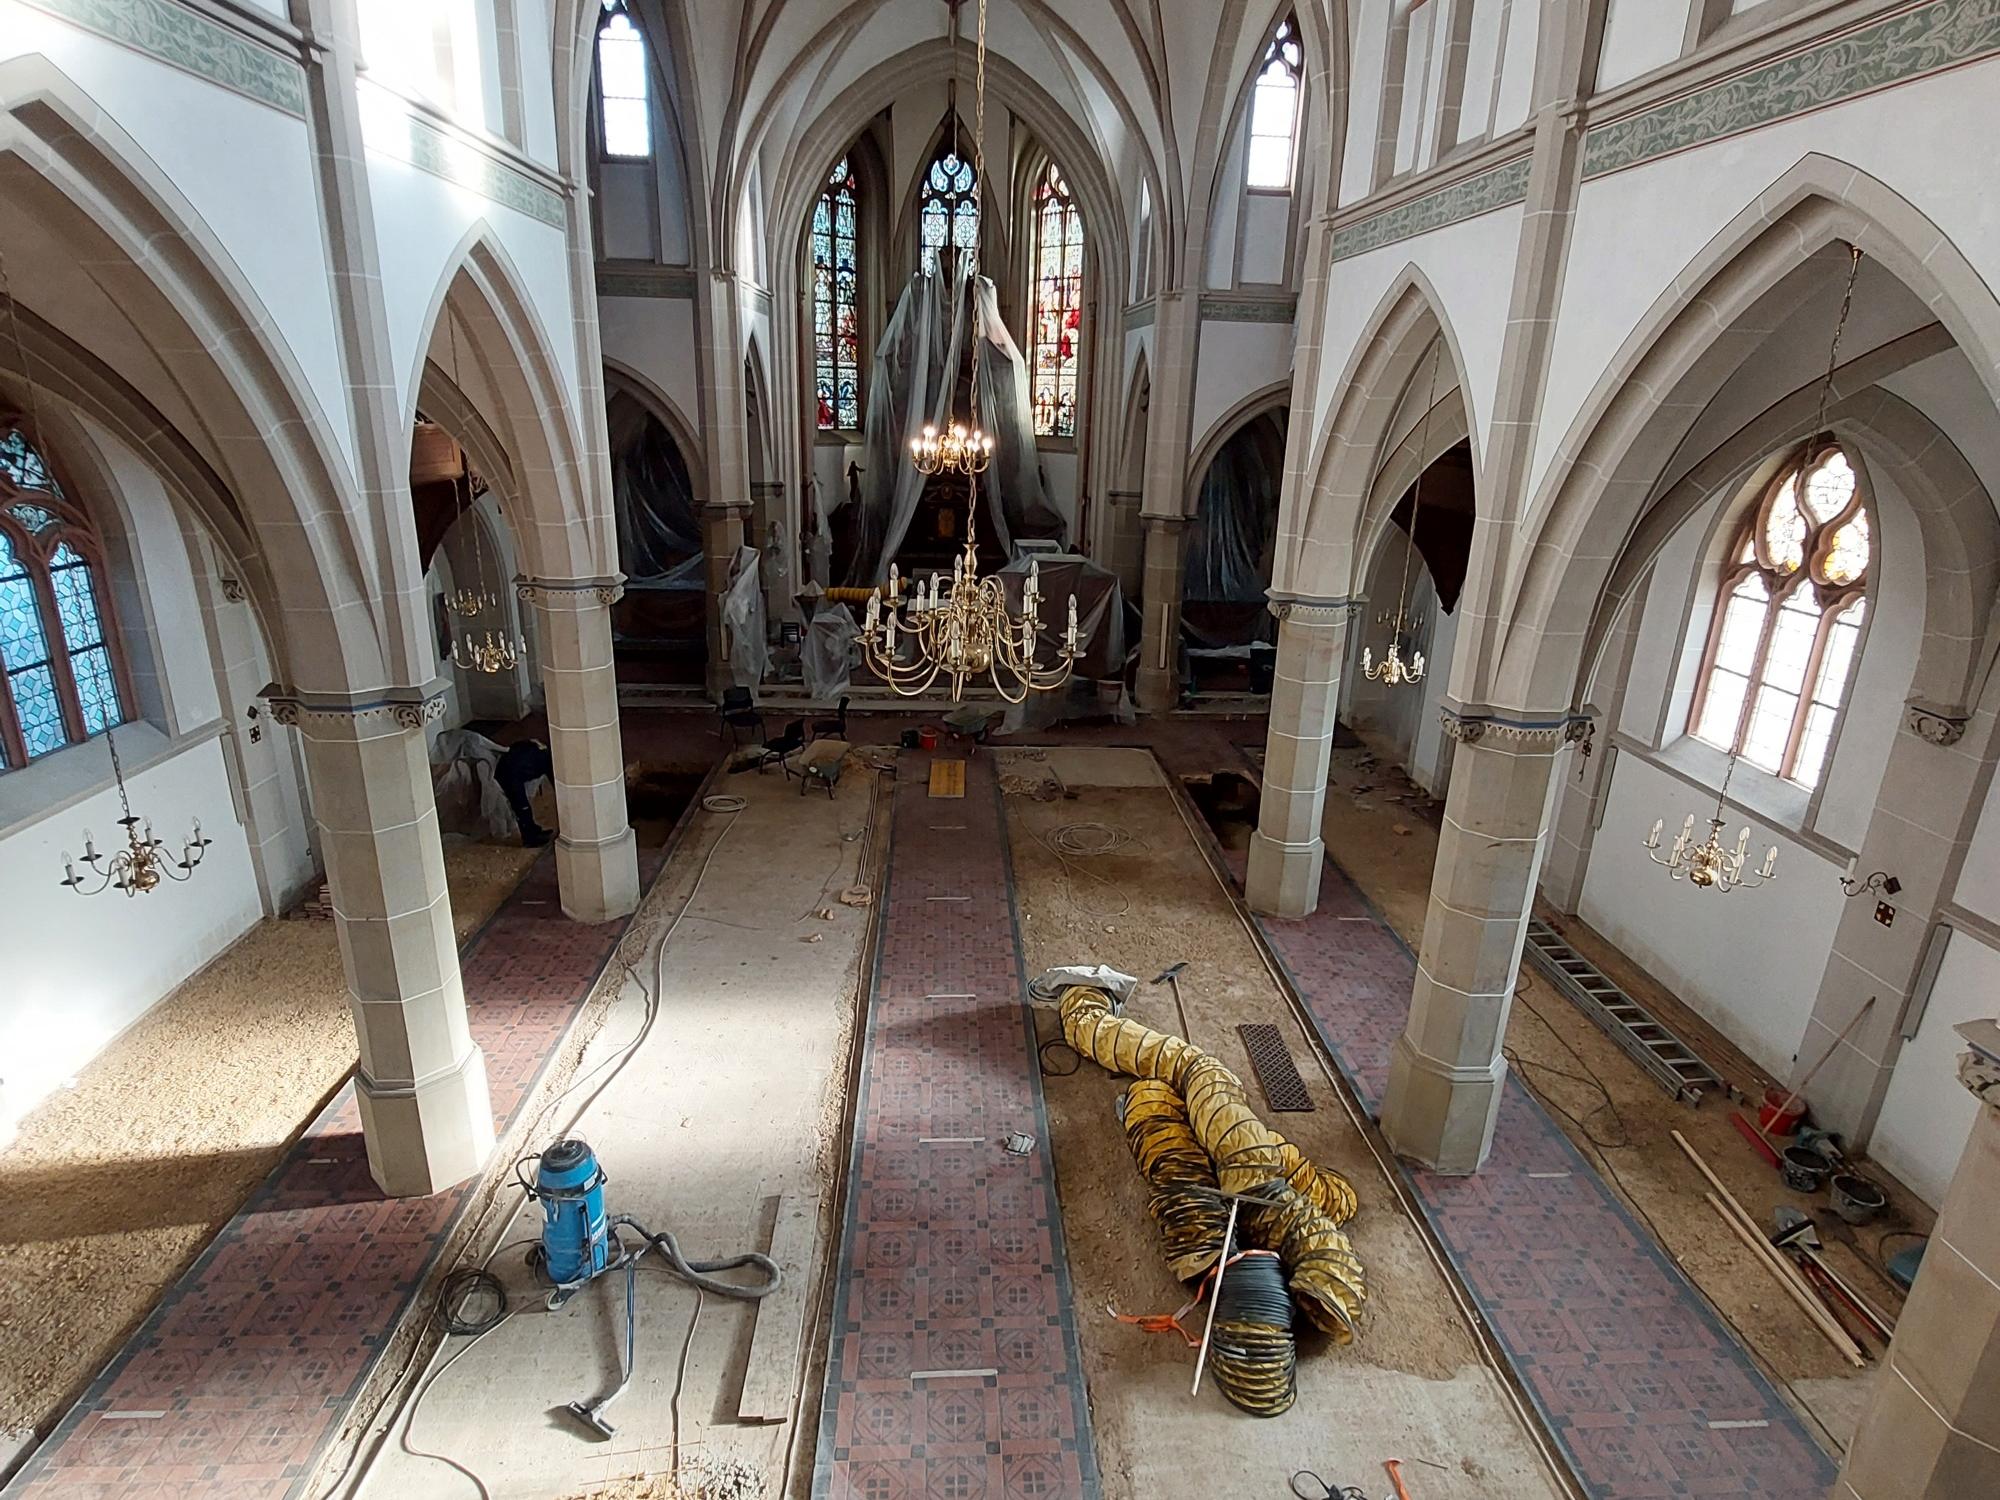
59,678
1782,652
625,115
1058,330
948,220
837,300
1274,111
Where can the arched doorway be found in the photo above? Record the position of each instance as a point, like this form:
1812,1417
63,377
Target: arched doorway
659,626
1232,535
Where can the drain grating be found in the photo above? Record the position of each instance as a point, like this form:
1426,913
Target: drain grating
1272,1061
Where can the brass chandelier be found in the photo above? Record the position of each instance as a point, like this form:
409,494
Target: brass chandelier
965,629
1392,670
1710,864
492,651
140,866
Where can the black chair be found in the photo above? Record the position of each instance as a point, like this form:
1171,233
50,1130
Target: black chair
739,711
835,727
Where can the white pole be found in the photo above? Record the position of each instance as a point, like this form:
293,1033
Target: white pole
1228,1233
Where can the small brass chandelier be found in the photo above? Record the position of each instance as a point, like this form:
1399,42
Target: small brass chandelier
1392,670
1709,864
963,630
140,866
493,651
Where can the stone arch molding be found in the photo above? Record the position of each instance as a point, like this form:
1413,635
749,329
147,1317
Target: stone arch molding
1275,397
1606,471
562,528
620,377
142,253
1317,550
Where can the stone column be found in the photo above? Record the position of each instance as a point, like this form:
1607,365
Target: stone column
1447,1069
723,524
421,1084
1932,791
1286,851
597,858
1165,568
1932,1428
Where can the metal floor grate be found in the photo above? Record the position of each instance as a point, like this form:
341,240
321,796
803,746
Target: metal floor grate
1628,1023
1277,1074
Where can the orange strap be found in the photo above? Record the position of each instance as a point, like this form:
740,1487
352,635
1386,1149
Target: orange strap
1171,1322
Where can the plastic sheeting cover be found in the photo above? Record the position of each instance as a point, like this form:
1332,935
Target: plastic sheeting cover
743,617
830,650
659,534
469,801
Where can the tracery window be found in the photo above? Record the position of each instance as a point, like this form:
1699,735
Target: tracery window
836,301
625,116
1058,305
1274,111
948,219
59,680
1794,596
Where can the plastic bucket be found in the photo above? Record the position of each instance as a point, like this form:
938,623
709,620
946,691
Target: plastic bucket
927,736
1856,1199
1805,1171
1778,1117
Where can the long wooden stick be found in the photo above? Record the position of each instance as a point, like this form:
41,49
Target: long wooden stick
1221,1265
1813,1072
1808,1303
1787,1274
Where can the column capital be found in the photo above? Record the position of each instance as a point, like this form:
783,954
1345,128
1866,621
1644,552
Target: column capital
1934,723
722,510
1308,612
1517,733
1174,524
355,716
570,593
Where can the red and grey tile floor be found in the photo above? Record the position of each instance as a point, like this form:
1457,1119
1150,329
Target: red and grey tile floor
242,1374
954,1371
1646,1392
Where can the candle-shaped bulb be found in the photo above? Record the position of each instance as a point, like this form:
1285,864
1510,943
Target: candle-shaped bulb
874,612
1770,861
89,847
889,635
895,585
1687,828
1653,838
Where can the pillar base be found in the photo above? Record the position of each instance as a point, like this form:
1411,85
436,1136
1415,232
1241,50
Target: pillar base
599,881
1440,1117
425,1138
1157,690
1283,879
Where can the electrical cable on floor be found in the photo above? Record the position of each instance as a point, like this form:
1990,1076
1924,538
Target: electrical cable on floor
1073,843
680,1379
723,804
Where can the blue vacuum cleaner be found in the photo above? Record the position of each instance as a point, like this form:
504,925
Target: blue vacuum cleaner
580,1242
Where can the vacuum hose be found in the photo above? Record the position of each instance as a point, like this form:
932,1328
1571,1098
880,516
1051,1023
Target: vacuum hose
1251,1351
1303,1226
1191,1219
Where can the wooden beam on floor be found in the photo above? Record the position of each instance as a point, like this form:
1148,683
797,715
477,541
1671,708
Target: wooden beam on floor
947,778
771,1380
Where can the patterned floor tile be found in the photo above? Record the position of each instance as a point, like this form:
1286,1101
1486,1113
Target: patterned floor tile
244,1371
951,1255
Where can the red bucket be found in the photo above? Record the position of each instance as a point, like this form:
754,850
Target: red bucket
927,736
1779,1117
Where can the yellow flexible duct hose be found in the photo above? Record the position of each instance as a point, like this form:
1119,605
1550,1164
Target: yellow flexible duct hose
1304,1227
1191,1222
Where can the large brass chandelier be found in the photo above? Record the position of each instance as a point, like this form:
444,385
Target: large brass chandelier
140,866
963,630
1392,670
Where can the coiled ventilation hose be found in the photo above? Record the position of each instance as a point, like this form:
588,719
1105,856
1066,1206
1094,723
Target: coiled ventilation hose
1191,1222
1326,1275
1251,1351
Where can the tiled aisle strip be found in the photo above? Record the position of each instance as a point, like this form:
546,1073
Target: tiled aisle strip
1645,1390
954,1372
245,1370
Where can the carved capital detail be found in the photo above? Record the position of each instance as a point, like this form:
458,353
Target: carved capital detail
234,591
330,717
1937,726
569,593
1310,613
1516,736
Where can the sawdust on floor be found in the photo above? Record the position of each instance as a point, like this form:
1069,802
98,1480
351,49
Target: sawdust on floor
1414,1382
114,1185
1622,1120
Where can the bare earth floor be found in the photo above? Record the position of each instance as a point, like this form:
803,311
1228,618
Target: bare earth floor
1414,1385
1383,831
114,1185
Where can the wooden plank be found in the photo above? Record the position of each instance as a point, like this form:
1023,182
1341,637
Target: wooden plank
771,1380
947,778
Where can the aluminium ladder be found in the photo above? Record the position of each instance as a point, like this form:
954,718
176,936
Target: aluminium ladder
1628,1023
